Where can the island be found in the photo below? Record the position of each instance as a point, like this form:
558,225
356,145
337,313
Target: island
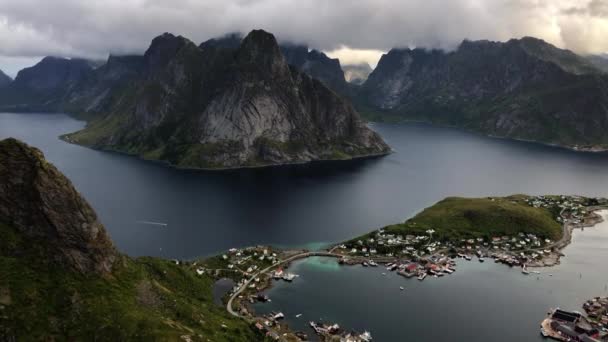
64,279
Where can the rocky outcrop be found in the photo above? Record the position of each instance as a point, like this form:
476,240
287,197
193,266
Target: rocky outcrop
43,206
523,89
218,107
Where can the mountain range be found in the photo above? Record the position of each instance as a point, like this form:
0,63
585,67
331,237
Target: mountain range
523,89
220,107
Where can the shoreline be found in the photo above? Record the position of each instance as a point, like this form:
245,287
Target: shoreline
575,148
594,216
65,138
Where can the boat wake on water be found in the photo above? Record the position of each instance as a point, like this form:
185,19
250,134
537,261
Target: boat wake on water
152,223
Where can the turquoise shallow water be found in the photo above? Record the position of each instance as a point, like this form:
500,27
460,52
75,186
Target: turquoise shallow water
480,302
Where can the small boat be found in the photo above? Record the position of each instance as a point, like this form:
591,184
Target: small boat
468,258
525,271
289,277
422,276
481,259
278,316
401,288
365,264
373,263
298,315
383,273
366,336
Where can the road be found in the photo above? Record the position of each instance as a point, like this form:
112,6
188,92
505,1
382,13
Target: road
282,262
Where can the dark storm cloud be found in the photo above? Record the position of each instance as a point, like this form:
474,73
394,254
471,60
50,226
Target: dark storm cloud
95,28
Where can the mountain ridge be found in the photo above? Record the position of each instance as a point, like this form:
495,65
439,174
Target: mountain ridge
221,108
521,89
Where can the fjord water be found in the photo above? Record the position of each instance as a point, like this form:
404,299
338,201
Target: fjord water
207,212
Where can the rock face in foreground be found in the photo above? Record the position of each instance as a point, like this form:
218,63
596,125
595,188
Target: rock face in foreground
523,89
43,206
218,107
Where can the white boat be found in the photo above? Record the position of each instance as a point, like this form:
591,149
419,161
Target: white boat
366,336
373,263
278,316
298,315
289,276
525,271
401,288
481,259
422,276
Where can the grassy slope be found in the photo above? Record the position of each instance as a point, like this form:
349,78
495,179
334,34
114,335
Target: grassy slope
456,218
146,299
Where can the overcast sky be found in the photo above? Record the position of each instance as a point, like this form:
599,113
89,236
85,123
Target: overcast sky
354,30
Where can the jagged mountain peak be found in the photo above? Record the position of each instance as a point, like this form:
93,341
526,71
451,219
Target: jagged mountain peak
260,51
162,49
42,205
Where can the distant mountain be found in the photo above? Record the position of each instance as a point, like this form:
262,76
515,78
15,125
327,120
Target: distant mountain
4,79
357,73
217,107
63,279
44,85
599,61
316,64
522,89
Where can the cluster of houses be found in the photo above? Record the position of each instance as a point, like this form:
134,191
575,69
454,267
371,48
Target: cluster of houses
597,311
564,325
571,207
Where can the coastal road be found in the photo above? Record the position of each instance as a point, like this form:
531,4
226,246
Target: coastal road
282,262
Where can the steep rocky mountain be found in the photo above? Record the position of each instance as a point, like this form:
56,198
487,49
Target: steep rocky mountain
4,79
69,85
61,279
42,205
523,89
312,62
357,73
316,64
44,85
217,107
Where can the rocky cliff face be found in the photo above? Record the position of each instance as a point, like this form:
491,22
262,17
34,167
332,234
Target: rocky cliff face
525,89
44,207
223,107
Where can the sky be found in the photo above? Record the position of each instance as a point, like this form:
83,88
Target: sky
353,30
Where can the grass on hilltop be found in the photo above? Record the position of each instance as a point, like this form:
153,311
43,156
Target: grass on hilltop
456,218
144,299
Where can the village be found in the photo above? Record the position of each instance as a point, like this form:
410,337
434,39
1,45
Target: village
564,325
419,256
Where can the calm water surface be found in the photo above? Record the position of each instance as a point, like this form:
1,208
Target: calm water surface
208,212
